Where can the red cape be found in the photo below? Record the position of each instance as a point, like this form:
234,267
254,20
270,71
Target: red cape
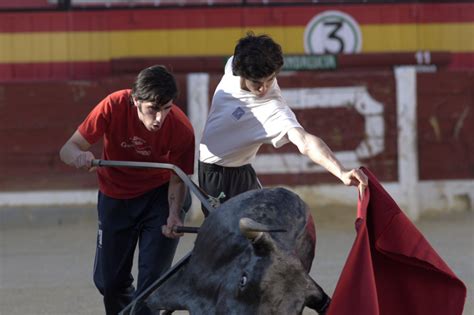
391,268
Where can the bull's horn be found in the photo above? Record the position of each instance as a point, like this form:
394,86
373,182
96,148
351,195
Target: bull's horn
254,230
250,229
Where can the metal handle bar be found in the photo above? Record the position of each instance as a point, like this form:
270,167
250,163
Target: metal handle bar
181,229
185,229
192,186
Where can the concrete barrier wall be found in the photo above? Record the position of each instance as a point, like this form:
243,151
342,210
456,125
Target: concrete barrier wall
414,131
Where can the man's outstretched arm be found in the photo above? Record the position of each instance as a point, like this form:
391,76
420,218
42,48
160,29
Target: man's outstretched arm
318,151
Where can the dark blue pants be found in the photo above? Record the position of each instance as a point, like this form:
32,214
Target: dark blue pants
122,224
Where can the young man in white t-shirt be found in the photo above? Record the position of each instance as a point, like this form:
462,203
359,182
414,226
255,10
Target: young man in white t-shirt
247,111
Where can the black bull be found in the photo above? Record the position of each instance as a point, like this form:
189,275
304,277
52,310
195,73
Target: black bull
235,268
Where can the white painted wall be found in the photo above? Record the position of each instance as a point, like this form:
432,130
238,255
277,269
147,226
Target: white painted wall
405,78
198,106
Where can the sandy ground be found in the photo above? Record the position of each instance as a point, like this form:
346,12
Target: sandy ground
46,255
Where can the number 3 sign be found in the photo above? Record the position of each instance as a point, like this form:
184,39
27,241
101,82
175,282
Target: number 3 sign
332,32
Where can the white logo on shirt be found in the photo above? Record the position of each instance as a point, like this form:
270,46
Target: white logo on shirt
238,113
137,143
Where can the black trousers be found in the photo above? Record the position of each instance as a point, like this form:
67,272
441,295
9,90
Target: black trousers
232,181
124,223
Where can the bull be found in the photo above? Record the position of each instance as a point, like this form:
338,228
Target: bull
252,255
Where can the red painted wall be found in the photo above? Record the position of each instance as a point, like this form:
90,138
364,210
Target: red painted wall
51,45
446,125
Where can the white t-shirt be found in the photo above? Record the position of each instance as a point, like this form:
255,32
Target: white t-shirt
240,122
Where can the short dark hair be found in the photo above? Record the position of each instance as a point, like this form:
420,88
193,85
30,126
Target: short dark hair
256,57
155,84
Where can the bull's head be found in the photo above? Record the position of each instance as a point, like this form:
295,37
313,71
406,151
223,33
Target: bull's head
252,256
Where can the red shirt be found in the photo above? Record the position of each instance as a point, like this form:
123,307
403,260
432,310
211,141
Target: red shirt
115,119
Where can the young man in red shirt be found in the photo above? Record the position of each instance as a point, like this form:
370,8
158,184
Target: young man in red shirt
141,124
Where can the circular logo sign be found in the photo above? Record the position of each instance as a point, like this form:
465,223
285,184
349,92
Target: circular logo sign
332,32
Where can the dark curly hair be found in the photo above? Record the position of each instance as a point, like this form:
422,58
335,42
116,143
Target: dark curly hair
155,84
256,57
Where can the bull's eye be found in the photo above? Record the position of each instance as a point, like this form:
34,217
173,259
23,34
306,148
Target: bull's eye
243,281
